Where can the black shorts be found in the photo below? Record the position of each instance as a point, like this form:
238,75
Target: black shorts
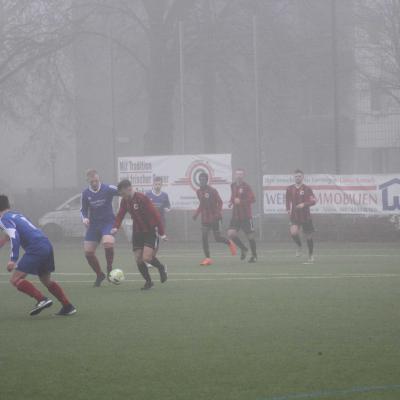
144,239
307,226
246,225
213,226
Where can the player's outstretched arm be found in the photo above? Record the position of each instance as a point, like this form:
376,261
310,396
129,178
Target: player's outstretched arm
123,209
167,205
85,210
199,208
113,190
288,200
310,200
13,235
218,200
251,198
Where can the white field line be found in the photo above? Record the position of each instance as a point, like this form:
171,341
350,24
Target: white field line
245,274
276,255
256,278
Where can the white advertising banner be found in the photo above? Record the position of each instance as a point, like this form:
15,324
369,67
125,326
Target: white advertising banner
180,175
338,194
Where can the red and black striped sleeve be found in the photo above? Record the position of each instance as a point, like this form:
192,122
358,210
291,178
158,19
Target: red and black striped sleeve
288,199
218,200
233,194
200,207
123,209
310,198
250,195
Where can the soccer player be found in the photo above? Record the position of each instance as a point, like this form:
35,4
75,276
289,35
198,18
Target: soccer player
299,199
242,198
37,260
98,217
147,228
159,198
210,208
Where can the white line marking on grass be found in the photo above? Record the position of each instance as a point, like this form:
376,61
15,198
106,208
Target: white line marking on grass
283,256
250,274
257,278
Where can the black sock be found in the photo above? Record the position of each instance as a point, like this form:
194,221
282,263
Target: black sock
206,247
155,262
296,239
310,244
144,271
253,247
239,243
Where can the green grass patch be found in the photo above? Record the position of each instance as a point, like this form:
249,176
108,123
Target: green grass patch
232,331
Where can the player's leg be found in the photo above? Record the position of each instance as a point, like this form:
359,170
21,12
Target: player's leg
90,245
29,265
295,234
23,285
233,235
149,255
308,230
216,228
57,291
108,244
248,228
205,229
142,267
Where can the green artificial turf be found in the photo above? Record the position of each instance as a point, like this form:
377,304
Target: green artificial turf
233,331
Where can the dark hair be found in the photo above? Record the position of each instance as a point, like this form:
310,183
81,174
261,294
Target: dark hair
124,184
203,175
298,171
4,202
157,179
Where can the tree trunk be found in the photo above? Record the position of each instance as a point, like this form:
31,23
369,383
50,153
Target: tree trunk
161,79
209,80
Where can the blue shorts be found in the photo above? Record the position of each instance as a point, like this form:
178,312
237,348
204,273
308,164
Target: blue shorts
38,260
96,231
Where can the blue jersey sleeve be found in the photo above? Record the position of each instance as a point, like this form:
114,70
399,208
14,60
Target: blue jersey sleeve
113,190
84,206
10,229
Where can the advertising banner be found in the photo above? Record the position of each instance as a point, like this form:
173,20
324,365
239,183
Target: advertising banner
180,175
338,194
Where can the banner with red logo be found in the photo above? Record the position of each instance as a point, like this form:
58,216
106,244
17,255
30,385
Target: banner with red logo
180,175
338,194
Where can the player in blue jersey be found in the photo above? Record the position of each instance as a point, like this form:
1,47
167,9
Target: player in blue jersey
159,198
37,260
98,217
160,201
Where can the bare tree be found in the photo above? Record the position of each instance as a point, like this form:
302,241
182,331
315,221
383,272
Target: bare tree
156,23
379,49
35,73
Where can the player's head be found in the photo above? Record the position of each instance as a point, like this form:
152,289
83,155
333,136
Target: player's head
4,203
203,179
125,189
298,176
239,175
157,184
93,179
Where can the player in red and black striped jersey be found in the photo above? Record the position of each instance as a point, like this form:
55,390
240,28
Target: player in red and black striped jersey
299,199
210,208
147,229
242,198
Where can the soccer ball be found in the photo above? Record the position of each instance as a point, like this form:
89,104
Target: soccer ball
117,276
